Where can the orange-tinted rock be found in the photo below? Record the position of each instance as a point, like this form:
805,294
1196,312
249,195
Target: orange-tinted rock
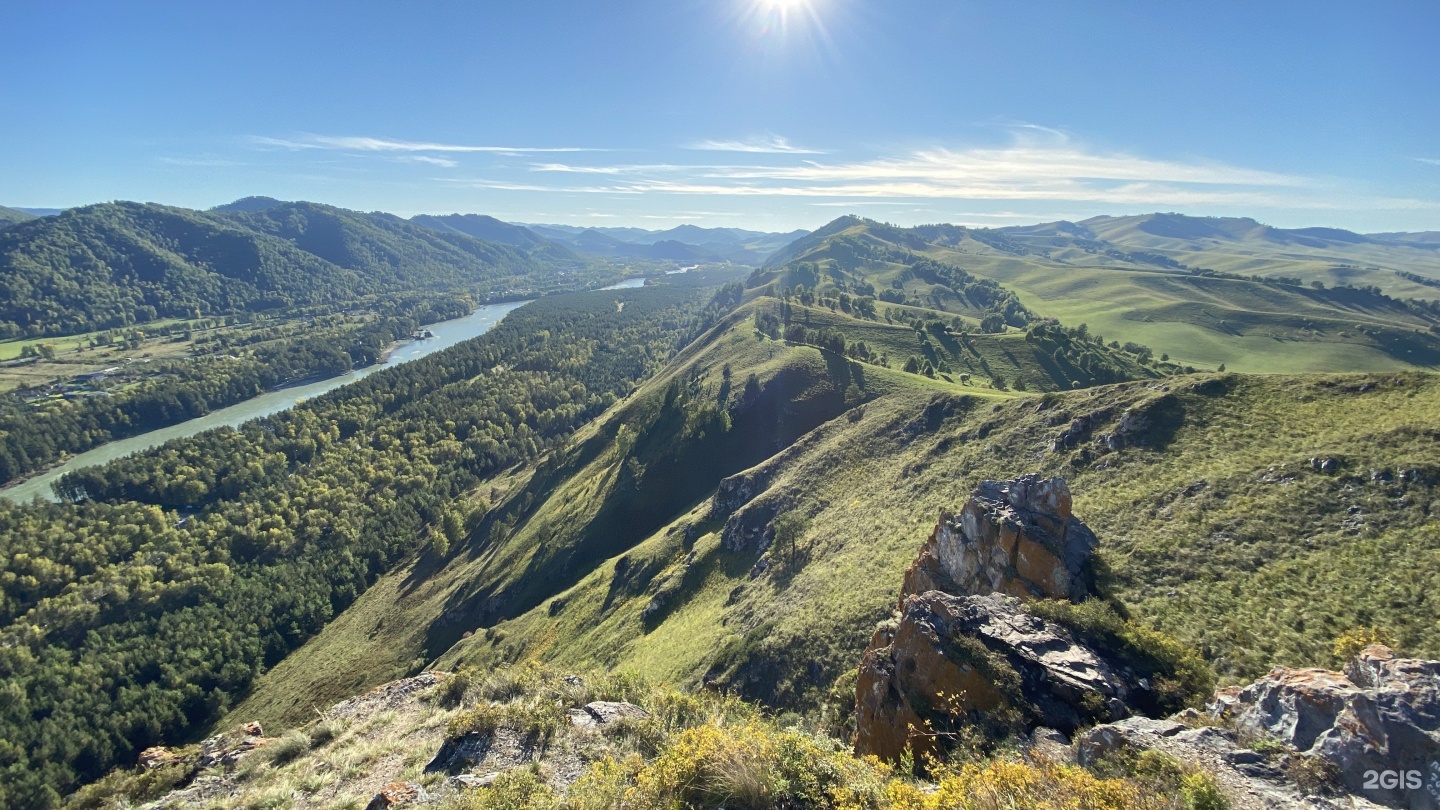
950,661
1015,537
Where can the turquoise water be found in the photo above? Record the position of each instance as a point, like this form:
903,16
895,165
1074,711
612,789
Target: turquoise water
447,334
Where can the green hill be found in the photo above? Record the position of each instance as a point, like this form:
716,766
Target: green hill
1125,294
11,216
491,229
119,264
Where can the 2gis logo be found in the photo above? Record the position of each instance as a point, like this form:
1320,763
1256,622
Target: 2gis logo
1394,780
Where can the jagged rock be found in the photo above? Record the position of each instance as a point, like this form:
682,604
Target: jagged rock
1382,715
254,729
738,490
605,711
1015,537
469,781
1249,780
398,794
978,658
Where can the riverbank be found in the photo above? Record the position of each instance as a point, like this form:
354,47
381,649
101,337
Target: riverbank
447,334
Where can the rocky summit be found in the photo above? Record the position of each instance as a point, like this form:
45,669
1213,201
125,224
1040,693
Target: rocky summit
1013,537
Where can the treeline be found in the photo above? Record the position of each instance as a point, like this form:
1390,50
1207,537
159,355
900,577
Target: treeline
32,437
127,625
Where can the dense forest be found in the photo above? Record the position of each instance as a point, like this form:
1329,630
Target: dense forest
119,264
33,436
127,624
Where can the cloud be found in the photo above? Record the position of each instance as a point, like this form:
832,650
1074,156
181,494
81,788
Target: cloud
1432,161
433,161
366,144
1039,165
773,144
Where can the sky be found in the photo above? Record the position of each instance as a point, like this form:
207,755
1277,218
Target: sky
765,114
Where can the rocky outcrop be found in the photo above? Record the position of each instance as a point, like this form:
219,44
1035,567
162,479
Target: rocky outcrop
1378,722
605,712
1249,779
962,648
980,661
1013,537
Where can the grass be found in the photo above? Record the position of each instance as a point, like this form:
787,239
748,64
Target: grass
1204,322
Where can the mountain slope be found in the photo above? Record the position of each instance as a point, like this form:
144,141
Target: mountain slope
1130,295
490,229
1209,546
115,264
11,216
118,264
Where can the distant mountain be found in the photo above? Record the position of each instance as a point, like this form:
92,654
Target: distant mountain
709,244
116,264
42,212
385,249
1206,291
248,204
1422,239
10,216
491,229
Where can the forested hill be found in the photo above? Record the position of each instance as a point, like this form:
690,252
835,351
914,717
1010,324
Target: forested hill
123,625
117,264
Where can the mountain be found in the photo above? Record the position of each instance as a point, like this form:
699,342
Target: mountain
1425,239
10,216
117,264
699,244
42,212
1133,292
483,227
248,204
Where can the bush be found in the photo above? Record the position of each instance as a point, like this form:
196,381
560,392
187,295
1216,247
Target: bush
288,748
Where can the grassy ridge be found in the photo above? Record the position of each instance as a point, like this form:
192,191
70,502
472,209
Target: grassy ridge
1217,530
1199,320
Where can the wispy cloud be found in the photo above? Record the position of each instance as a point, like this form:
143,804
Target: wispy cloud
429,159
772,144
1023,171
1432,161
367,144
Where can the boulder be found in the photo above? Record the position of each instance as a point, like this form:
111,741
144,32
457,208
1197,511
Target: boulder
156,757
1013,537
1378,722
398,794
605,711
953,660
1248,779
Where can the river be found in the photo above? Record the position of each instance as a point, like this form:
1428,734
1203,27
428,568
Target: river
447,334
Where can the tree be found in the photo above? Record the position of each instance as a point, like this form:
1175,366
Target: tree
789,528
992,324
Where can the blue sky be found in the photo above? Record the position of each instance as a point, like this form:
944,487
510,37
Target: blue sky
752,113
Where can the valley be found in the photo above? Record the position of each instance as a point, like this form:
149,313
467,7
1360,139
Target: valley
716,479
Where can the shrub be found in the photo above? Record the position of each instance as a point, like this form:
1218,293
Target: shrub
288,748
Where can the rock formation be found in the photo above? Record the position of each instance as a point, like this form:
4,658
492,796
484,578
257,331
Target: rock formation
1380,717
981,661
1013,537
963,649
